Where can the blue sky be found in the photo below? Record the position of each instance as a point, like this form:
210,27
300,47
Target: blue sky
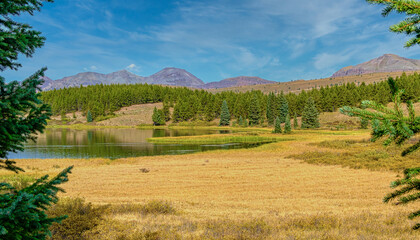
278,40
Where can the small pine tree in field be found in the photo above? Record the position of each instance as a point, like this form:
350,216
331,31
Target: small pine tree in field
241,121
89,117
224,115
158,117
246,122
287,125
277,125
295,122
310,115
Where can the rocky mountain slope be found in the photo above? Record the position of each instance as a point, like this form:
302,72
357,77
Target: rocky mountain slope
92,78
175,77
384,63
167,76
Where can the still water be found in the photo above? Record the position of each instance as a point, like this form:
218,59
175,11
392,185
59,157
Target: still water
112,143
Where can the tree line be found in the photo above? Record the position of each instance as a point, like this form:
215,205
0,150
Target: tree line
189,104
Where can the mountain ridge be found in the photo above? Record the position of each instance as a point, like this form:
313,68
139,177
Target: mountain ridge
179,77
385,63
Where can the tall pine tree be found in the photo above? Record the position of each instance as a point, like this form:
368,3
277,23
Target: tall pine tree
224,115
287,125
277,126
310,115
254,111
23,114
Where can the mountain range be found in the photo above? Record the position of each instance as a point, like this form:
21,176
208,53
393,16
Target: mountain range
180,77
384,63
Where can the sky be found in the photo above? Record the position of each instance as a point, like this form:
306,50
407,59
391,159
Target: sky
278,40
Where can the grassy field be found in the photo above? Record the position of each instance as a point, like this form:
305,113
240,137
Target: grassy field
268,192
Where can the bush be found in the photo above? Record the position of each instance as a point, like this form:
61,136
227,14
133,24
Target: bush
81,217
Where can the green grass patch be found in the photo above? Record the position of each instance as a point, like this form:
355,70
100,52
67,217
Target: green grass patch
218,139
81,126
19,181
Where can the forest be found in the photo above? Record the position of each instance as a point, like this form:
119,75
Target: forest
189,104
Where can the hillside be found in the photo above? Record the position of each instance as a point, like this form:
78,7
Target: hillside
384,63
299,85
236,82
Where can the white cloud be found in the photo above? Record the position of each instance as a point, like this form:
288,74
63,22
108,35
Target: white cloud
133,67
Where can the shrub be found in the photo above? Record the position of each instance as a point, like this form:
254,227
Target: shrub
81,217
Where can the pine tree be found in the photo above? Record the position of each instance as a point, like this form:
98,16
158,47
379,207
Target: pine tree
277,126
287,125
409,26
155,116
89,117
241,121
269,111
166,112
392,122
254,111
310,115
295,122
224,115
23,114
284,109
158,117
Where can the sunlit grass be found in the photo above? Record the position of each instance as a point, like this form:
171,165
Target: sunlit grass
253,193
360,154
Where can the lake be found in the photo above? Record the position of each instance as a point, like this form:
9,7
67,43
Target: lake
113,143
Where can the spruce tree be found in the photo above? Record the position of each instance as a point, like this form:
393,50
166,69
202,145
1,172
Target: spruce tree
287,125
166,112
254,111
277,126
241,121
23,114
310,115
409,26
224,115
89,117
284,109
295,122
269,111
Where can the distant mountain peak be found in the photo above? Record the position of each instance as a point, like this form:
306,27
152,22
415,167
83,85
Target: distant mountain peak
175,76
385,63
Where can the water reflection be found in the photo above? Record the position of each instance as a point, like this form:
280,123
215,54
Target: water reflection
112,143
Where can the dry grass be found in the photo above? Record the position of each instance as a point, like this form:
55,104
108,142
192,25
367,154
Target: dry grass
240,194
